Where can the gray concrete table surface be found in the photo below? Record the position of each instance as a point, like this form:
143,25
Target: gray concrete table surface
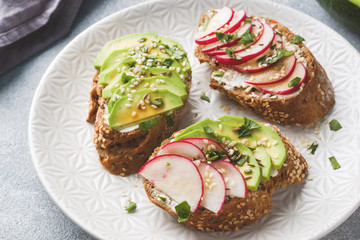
26,210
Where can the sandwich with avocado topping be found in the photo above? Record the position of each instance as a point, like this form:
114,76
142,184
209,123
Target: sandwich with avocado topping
139,91
220,175
263,66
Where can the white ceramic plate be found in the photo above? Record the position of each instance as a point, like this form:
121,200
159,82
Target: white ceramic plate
68,166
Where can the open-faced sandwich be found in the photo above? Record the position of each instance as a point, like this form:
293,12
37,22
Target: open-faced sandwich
219,175
138,96
262,65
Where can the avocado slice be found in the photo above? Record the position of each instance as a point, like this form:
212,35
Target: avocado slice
119,80
130,41
123,109
251,142
178,88
277,149
106,76
253,177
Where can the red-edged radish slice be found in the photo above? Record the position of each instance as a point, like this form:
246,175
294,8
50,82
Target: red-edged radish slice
229,28
214,187
257,28
253,66
251,52
221,18
185,149
280,71
176,176
234,180
216,45
206,144
283,88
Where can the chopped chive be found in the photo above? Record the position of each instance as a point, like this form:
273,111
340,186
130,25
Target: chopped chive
207,129
247,20
313,147
334,163
157,102
206,23
205,98
334,125
183,211
167,164
162,198
297,39
131,207
218,73
142,40
248,171
294,82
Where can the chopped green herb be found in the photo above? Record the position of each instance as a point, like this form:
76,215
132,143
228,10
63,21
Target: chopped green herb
297,39
247,37
218,73
167,164
334,125
169,120
205,98
157,102
279,33
243,131
174,51
206,23
131,207
334,163
142,40
230,53
313,147
272,45
250,123
183,211
294,82
252,149
224,37
167,62
242,160
247,20
248,171
212,155
272,58
207,129
162,198
148,123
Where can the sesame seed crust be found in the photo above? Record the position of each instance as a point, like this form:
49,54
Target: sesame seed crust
240,212
313,101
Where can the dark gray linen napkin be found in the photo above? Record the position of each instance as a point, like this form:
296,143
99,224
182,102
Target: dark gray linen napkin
28,26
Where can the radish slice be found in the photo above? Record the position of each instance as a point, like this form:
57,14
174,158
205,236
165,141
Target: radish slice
230,28
257,28
216,45
206,144
253,51
234,180
221,18
253,66
214,187
282,88
176,176
280,71
184,149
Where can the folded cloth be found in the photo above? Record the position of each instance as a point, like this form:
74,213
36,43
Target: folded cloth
28,26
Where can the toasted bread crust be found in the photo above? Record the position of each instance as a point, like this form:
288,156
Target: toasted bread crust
239,212
312,102
124,153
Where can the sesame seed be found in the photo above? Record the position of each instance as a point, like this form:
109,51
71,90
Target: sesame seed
127,105
133,114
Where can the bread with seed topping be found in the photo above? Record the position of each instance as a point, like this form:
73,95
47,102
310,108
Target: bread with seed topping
310,103
124,153
239,212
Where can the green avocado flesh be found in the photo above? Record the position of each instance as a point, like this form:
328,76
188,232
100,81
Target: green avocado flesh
123,110
261,156
276,151
142,64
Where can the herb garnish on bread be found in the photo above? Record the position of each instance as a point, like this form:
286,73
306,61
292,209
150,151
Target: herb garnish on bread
262,65
137,99
219,175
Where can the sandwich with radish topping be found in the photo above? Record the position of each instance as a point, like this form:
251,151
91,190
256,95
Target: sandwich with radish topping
220,175
262,65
